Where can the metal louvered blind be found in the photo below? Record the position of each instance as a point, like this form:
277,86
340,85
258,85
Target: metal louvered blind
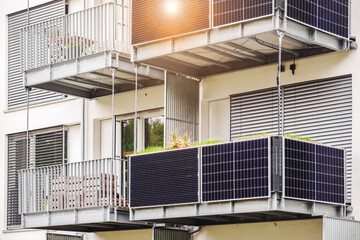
53,236
320,109
166,234
46,147
16,91
182,107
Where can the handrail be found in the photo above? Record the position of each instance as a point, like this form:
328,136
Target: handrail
95,183
102,28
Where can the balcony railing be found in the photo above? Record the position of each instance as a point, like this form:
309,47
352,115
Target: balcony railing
94,30
96,183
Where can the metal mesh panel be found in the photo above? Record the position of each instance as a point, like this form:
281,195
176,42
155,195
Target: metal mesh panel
314,172
164,178
153,20
16,91
329,15
46,147
232,11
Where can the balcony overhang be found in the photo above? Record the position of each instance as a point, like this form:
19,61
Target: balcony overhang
237,46
91,76
273,208
82,220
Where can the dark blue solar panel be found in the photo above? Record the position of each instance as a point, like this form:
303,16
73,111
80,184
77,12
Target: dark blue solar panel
314,172
232,11
300,169
328,15
236,170
251,169
218,172
164,178
330,174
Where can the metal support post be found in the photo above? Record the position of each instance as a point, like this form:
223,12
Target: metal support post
136,103
280,105
113,148
27,125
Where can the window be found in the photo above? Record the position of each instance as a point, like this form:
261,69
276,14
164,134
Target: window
46,147
154,132
127,137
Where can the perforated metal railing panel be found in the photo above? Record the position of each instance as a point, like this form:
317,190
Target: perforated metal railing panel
314,172
328,15
164,178
232,11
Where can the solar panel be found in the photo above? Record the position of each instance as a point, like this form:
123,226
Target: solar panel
314,172
330,174
328,15
232,11
164,178
236,170
159,19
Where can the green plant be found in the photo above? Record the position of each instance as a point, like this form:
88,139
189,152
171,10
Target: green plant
289,135
207,142
182,141
153,149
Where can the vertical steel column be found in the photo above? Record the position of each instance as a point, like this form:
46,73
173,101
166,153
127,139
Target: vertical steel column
165,107
113,147
136,103
280,131
83,131
27,125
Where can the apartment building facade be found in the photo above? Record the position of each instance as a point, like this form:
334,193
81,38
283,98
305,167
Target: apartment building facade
105,79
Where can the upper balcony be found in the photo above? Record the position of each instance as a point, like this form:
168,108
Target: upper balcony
74,54
262,179
201,38
85,196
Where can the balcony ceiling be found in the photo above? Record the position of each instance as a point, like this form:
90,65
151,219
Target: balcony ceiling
91,76
235,47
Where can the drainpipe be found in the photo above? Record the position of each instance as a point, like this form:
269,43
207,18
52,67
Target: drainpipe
280,105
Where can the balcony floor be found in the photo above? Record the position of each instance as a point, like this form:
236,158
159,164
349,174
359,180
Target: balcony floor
91,76
236,47
82,220
244,211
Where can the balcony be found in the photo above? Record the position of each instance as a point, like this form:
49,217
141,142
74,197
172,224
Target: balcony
188,41
74,54
84,196
264,179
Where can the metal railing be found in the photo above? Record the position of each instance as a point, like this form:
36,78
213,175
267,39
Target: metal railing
90,31
96,183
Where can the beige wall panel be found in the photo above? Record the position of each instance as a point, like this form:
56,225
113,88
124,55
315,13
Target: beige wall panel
286,230
219,119
124,235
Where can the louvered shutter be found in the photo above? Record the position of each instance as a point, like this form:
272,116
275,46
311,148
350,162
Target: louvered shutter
16,91
254,112
320,109
46,147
